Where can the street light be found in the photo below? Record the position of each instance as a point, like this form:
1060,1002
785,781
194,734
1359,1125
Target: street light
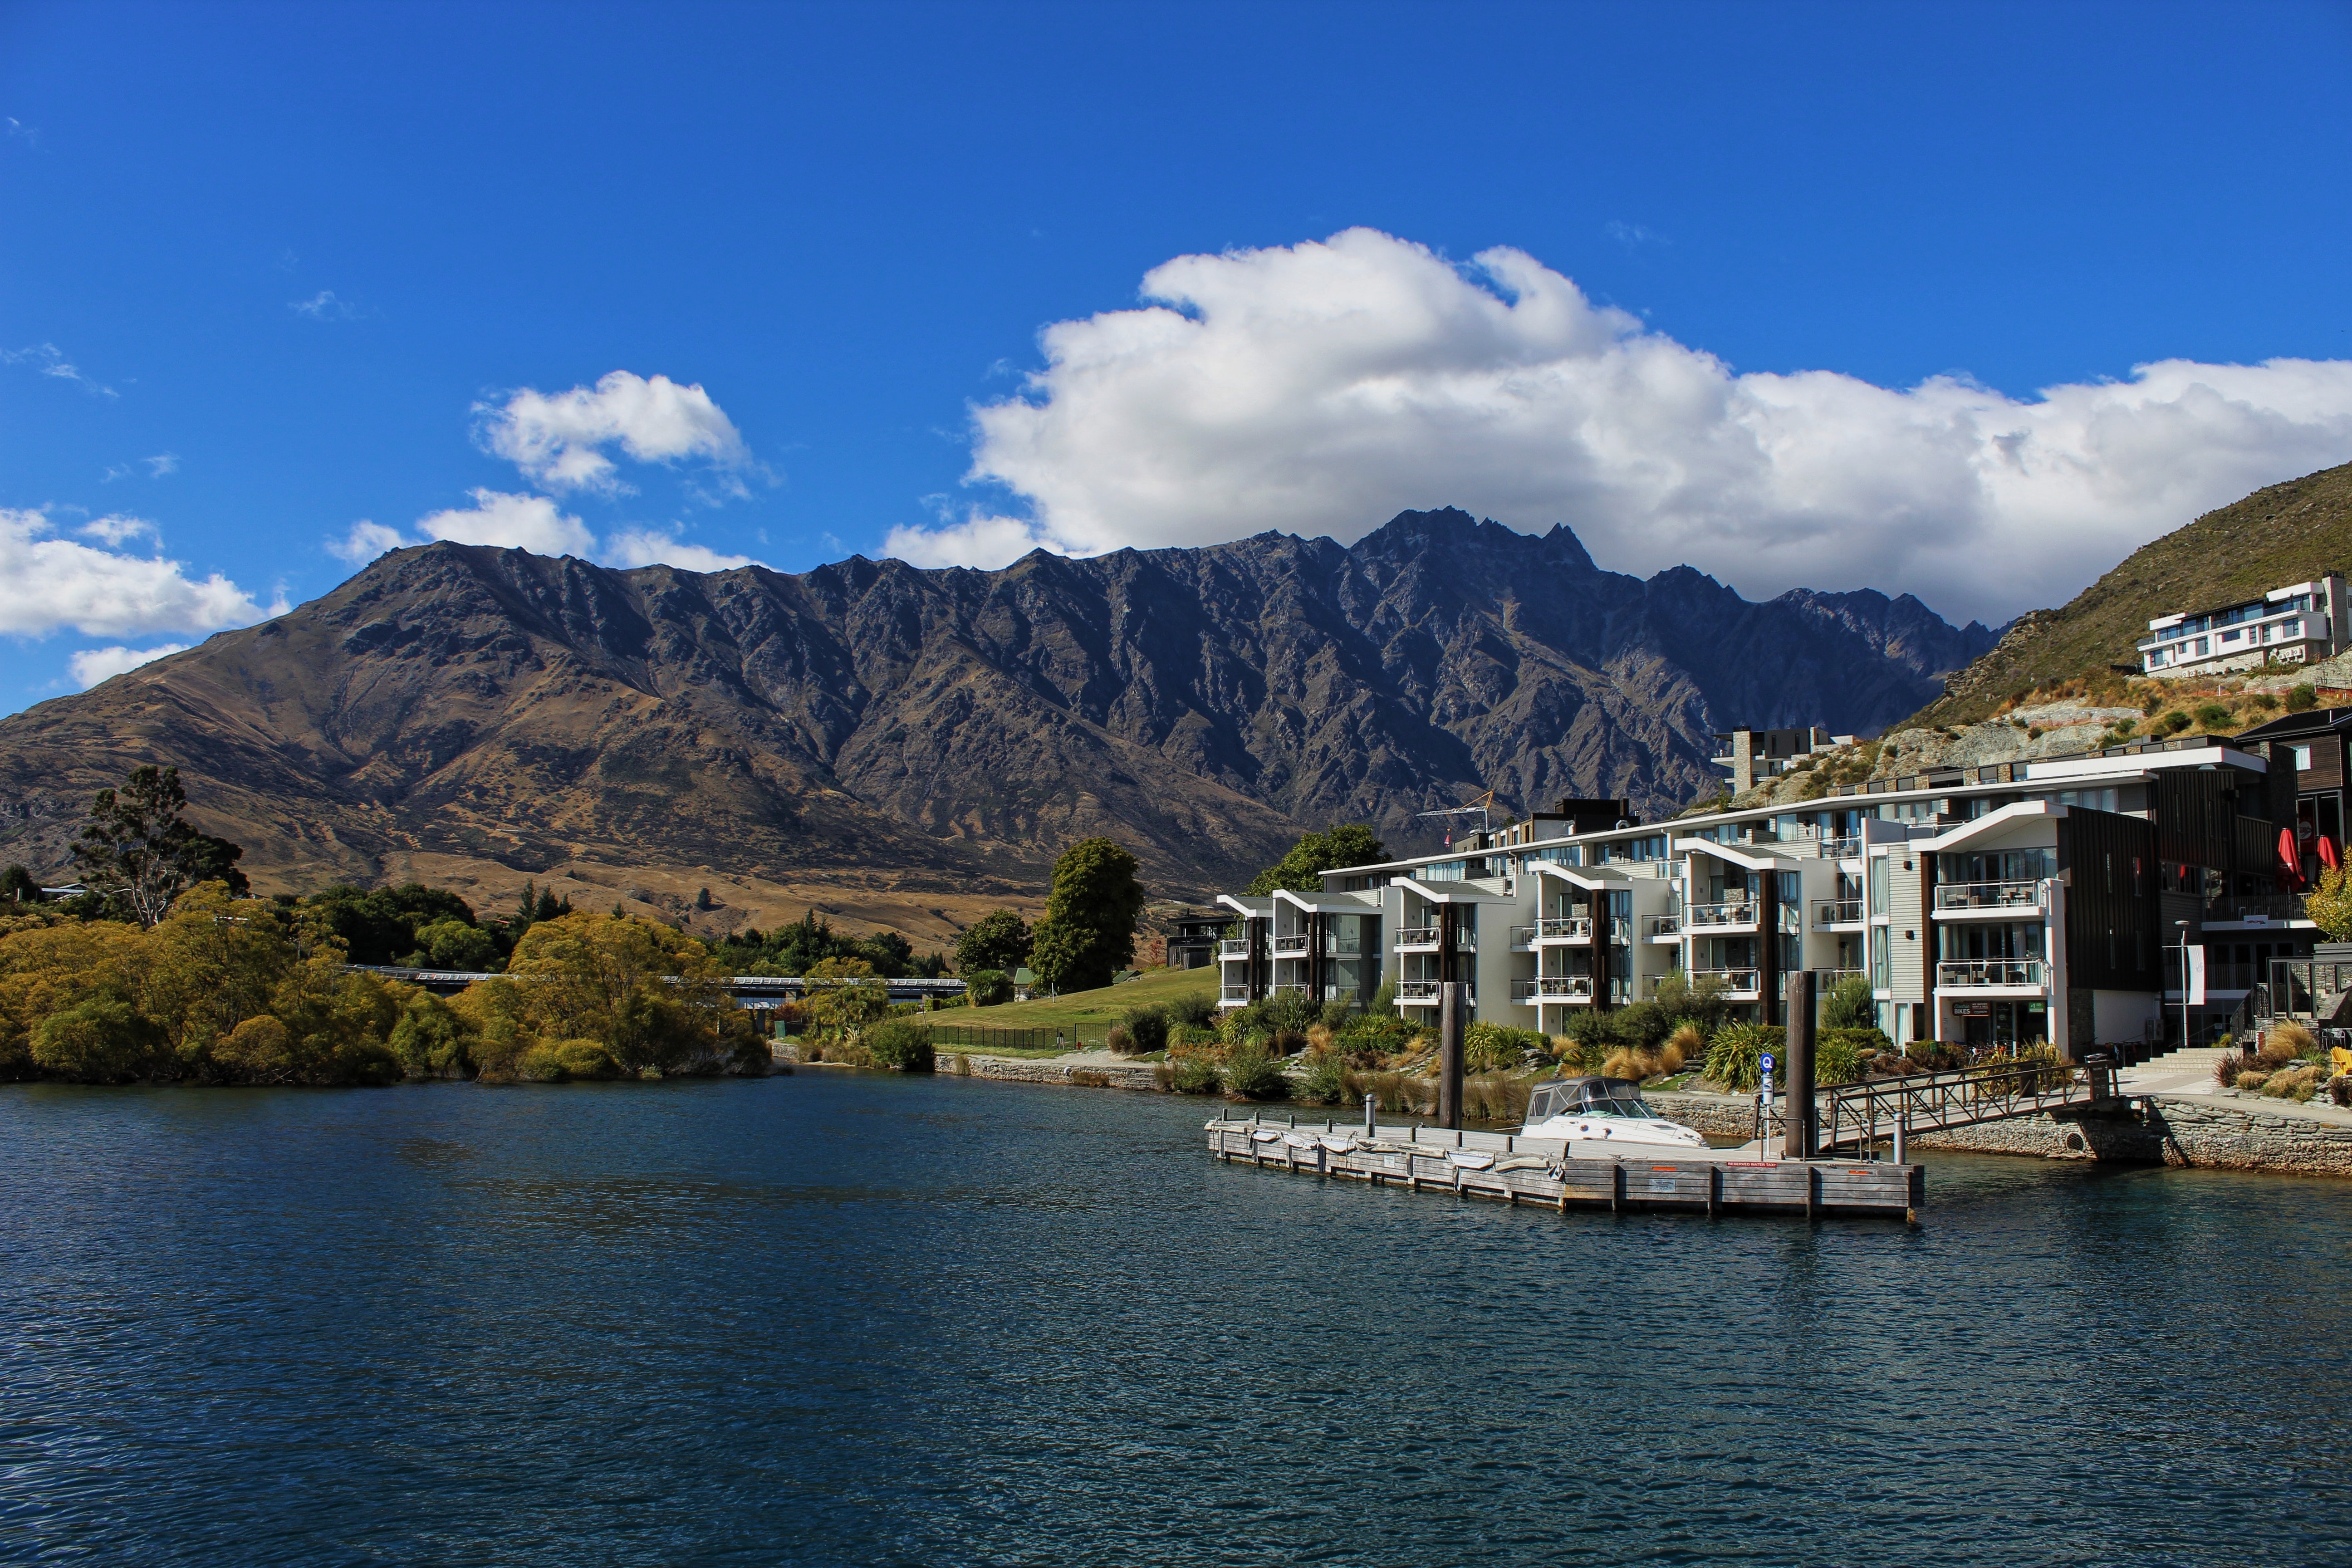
2183,926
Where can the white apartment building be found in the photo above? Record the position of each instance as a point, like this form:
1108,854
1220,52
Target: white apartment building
2299,623
1996,905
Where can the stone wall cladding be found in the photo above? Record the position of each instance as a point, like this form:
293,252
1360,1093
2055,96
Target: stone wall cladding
1016,1069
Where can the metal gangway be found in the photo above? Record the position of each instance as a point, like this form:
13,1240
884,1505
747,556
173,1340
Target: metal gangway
1861,1116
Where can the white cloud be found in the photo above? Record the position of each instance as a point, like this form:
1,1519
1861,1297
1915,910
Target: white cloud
1323,388
510,522
50,361
558,441
161,463
93,665
366,541
651,546
48,584
324,307
116,528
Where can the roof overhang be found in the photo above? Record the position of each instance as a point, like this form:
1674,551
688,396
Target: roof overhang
1990,824
1739,858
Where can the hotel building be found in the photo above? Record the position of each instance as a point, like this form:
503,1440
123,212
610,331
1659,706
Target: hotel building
2299,623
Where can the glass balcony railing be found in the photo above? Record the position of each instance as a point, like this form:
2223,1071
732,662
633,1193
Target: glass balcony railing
1989,895
1234,947
1425,992
1837,913
1662,925
1290,946
1564,987
1735,981
1572,928
1976,974
1733,914
1522,938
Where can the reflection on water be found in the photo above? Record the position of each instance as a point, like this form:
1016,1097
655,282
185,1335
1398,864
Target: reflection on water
845,1318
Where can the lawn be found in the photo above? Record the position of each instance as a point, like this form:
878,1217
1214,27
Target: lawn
1085,1015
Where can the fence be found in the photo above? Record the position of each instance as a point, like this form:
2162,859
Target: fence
990,1038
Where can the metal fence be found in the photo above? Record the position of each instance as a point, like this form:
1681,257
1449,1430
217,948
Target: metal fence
990,1038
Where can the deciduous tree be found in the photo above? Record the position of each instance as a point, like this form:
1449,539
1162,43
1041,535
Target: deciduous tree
1000,939
1088,930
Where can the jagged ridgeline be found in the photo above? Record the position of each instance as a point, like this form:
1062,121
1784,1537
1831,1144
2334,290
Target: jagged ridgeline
872,724
2287,534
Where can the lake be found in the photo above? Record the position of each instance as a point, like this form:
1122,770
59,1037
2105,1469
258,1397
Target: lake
849,1318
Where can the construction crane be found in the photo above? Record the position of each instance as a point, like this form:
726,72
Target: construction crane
1484,806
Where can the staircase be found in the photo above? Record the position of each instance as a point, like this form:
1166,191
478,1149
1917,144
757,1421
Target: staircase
2188,1071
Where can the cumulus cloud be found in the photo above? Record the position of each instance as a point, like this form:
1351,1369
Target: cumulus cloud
93,665
558,439
365,541
510,522
1322,387
48,584
116,528
652,547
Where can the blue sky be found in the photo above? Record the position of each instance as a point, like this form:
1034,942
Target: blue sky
1683,277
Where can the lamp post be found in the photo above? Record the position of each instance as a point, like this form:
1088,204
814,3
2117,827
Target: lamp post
2183,927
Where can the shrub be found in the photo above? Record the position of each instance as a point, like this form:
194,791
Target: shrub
2284,1044
1251,1073
540,1064
2227,1069
900,1046
1849,1004
2214,716
1837,1058
1735,1057
1325,1081
1195,1075
2172,724
258,1050
2340,1089
1193,1009
2298,1083
1118,1042
2252,1080
1147,1028
1369,1035
1496,1047
1494,1096
2302,698
430,1038
2264,700
585,1059
988,987
1399,1094
97,1041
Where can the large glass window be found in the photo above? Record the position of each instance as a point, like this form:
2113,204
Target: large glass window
1957,940
1997,866
1880,881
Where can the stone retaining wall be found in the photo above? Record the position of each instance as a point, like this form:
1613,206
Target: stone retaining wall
1016,1069
2170,1130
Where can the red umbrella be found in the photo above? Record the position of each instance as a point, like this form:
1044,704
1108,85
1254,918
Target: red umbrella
2289,865
2327,853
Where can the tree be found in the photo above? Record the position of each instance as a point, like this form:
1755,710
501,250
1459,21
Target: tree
136,844
651,997
1301,870
988,987
998,940
19,886
2329,905
854,998
1088,930
1849,1004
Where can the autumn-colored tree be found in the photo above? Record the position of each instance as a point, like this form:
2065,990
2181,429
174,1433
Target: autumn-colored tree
845,996
650,995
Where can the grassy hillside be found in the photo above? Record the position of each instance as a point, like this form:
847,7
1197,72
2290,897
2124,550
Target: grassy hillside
1092,1010
2284,534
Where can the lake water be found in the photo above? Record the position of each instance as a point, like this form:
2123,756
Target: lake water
857,1318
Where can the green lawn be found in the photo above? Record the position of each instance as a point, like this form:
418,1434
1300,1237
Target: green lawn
1084,1014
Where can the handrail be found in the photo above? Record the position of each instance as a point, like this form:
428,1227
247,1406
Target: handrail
1287,944
1573,986
1416,936
1733,979
1838,911
1233,947
1662,925
1860,1113
1730,912
1570,928
1966,973
1989,895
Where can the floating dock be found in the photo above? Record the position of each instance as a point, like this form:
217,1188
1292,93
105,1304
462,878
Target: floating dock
1588,1173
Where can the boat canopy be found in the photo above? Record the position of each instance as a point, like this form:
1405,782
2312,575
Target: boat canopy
1591,1096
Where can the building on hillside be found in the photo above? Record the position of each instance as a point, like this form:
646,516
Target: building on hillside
1995,905
1193,938
2299,623
1755,755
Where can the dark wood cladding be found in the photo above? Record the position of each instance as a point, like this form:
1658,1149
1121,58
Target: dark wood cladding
2199,813
2108,863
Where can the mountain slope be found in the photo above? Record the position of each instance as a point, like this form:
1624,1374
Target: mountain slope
2287,534
462,712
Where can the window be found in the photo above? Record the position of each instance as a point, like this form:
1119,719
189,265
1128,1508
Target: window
2090,799
1879,871
1878,961
2231,637
2301,758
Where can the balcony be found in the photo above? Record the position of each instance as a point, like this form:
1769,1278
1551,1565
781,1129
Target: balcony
1985,897
1824,980
2260,908
1523,992
1425,994
1286,990
1574,928
1830,913
1990,974
1411,937
1662,928
1564,987
1233,996
1735,981
1522,938
1290,946
1234,947
1841,848
1737,915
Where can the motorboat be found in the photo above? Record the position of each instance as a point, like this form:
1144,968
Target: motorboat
1597,1109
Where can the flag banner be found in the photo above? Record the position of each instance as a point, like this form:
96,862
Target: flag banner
2197,977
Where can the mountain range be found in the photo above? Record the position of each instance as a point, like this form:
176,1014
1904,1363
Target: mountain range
905,746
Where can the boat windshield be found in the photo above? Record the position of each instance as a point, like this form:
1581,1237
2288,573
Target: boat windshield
1627,1105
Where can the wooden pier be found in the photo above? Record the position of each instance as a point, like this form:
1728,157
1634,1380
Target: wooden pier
1552,1174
